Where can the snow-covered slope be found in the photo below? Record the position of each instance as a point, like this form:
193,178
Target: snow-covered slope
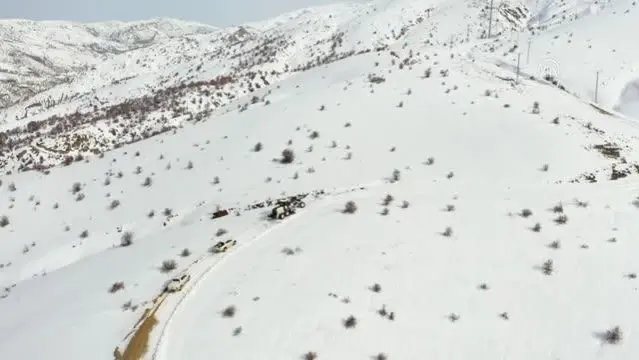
510,231
35,56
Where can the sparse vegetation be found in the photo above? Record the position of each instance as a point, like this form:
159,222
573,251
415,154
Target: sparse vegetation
126,239
4,221
350,322
288,156
350,207
168,265
229,311
117,286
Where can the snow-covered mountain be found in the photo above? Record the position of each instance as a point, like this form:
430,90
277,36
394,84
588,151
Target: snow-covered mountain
468,193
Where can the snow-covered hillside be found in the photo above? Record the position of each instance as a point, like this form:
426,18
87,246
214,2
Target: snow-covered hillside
455,207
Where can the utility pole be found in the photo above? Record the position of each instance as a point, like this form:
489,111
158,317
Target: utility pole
597,86
490,18
517,78
528,54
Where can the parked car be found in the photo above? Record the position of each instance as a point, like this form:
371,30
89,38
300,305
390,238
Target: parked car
177,283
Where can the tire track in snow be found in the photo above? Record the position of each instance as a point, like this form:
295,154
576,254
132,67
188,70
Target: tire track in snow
160,344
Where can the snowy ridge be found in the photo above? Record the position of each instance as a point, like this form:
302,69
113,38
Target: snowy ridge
470,210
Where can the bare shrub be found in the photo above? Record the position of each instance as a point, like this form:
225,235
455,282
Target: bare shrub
288,156
168,265
84,234
405,204
311,355
114,204
388,199
288,251
229,311
350,322
147,182
350,207
221,232
536,227
185,252
380,356
314,135
547,267
117,286
237,331
450,208
558,209
126,239
12,187
544,168
76,188
376,288
4,221
189,165
613,336
258,147
430,161
396,175
79,197
561,219
525,213
555,245
448,232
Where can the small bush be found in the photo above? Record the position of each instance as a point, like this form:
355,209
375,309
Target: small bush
613,336
189,165
429,161
561,219
126,239
168,265
76,188
448,232
4,221
84,234
258,147
396,175
558,209
385,211
376,288
117,286
536,228
350,208
237,331
380,356
185,252
311,355
79,197
114,204
229,311
350,322
220,232
555,245
525,213
547,267
12,187
388,199
147,182
314,135
450,208
405,204
288,156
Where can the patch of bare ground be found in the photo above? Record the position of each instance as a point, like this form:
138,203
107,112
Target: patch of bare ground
139,343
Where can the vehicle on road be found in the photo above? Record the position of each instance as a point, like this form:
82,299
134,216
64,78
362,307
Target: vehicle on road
177,283
282,210
223,246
